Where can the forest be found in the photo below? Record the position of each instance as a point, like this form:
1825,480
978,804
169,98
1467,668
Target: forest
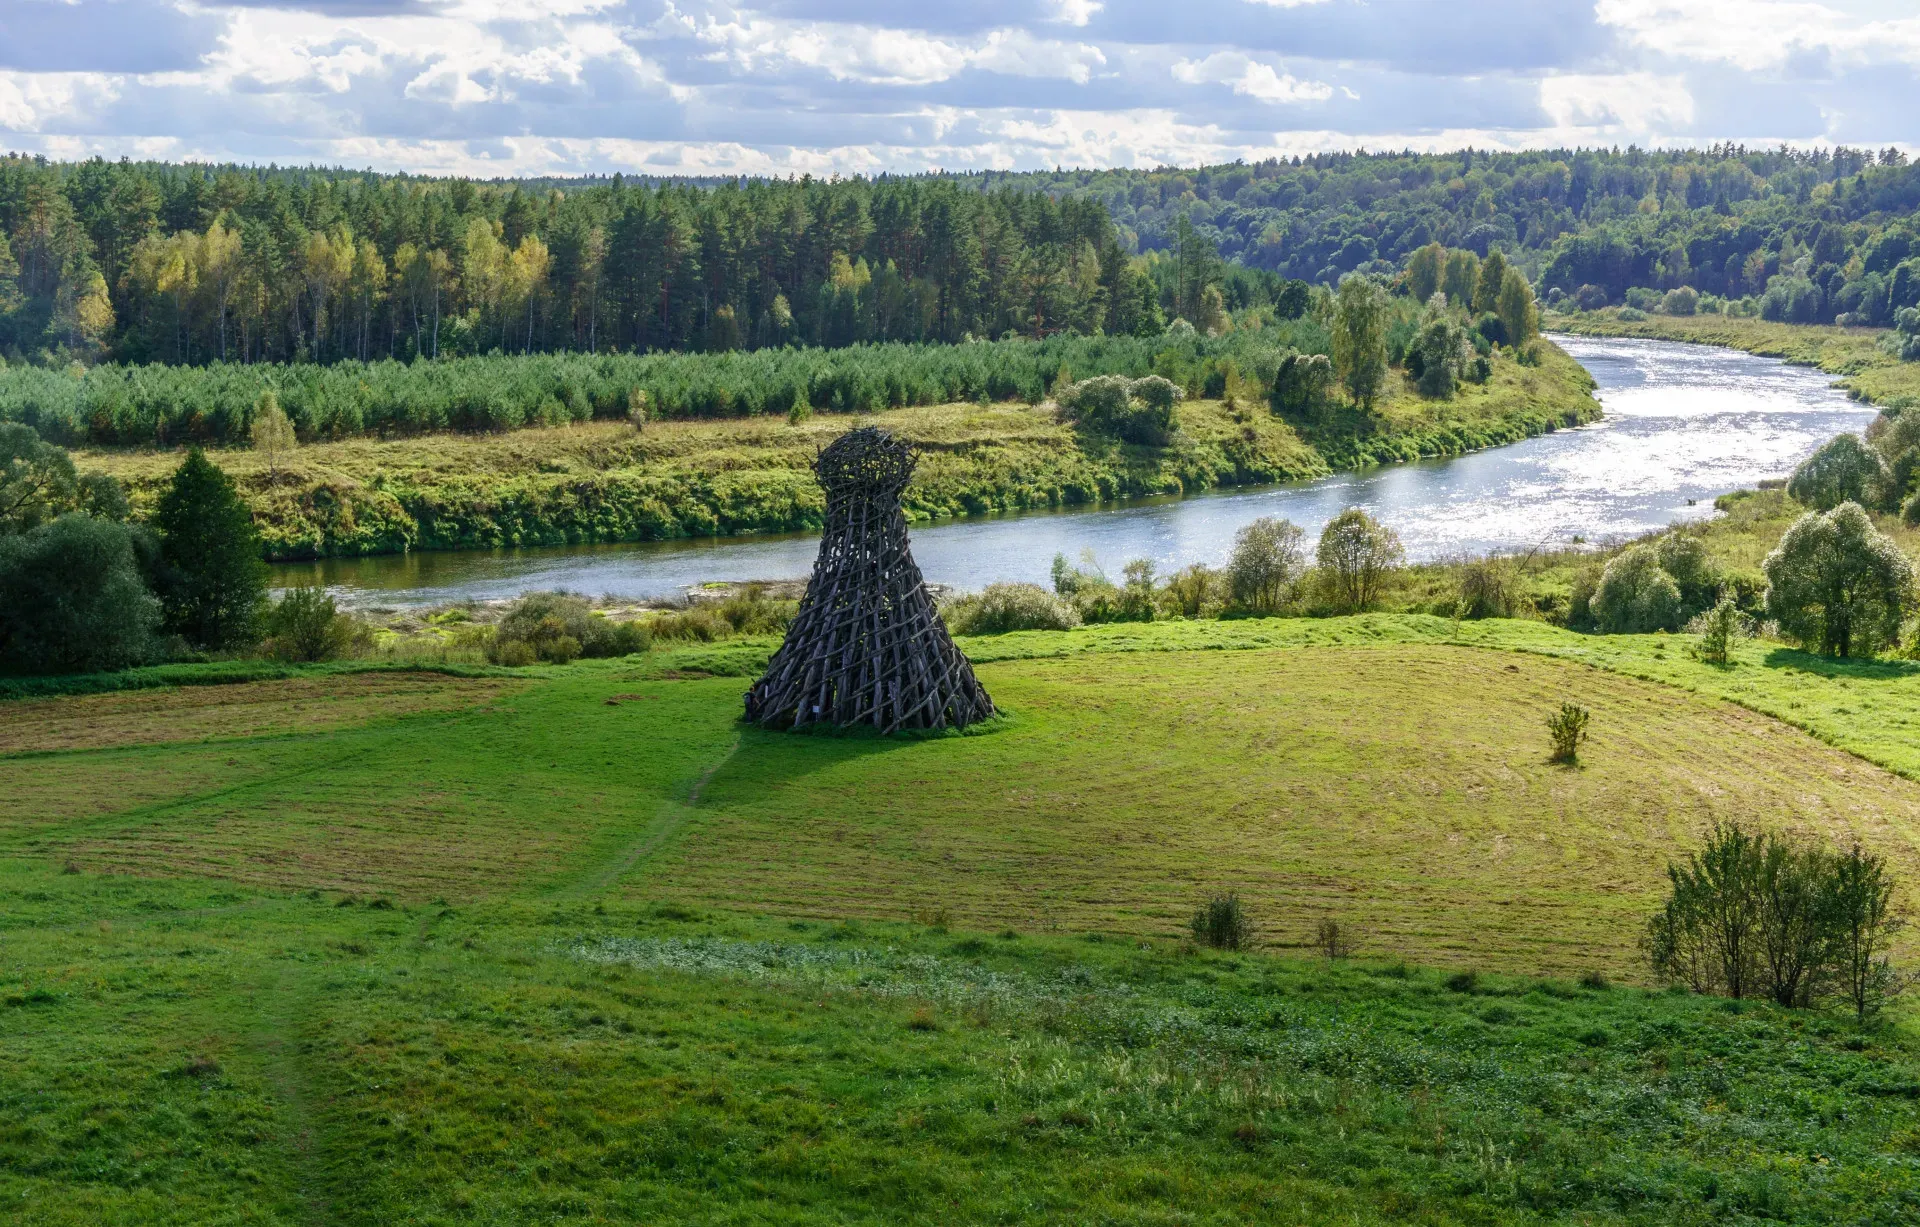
142,263
190,265
1811,235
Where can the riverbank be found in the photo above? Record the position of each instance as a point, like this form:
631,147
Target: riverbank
1865,371
605,482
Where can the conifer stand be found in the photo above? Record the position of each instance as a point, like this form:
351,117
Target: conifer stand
867,647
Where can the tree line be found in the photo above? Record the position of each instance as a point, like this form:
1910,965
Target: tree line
151,262
158,262
1810,235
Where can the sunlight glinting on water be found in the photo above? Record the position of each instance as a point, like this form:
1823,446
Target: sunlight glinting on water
1683,424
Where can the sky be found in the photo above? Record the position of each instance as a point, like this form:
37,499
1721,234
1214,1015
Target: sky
776,87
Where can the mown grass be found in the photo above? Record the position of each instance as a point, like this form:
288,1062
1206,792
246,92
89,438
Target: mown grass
1867,371
589,950
181,1054
602,481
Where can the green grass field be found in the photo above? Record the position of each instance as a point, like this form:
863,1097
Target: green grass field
574,946
600,481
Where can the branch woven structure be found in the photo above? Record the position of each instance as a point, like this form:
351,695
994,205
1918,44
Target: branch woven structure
866,647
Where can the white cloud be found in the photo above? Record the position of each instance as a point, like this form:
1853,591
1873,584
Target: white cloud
31,101
1250,77
739,86
881,56
1076,12
1754,35
1637,106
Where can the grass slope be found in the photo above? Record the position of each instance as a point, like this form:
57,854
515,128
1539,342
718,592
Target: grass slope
1868,372
603,482
587,950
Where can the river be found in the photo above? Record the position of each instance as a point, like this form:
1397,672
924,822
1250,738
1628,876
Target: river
1683,424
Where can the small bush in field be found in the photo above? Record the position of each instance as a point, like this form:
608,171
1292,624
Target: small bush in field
1222,922
1335,940
700,624
1719,628
513,653
1567,728
1009,607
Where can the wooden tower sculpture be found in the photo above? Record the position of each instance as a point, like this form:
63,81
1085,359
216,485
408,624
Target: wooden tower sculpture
866,647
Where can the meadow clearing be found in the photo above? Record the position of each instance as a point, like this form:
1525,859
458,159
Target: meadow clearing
572,944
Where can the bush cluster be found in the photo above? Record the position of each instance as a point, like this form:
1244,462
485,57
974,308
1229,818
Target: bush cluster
1134,410
1009,607
81,590
1654,586
746,612
1761,914
1223,923
558,628
306,625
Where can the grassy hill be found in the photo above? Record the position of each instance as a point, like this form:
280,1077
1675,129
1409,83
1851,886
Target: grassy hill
602,481
572,945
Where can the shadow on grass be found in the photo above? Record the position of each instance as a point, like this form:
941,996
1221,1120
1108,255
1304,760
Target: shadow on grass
1831,666
772,758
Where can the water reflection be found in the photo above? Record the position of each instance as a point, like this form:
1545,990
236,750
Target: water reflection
1683,424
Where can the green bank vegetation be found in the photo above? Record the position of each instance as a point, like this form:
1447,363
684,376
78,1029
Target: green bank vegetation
502,965
605,481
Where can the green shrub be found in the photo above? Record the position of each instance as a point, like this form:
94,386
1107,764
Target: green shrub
72,599
1489,588
699,624
1335,940
1719,628
1837,584
1566,729
559,627
1222,922
1194,591
749,612
1767,915
1135,410
1841,470
305,625
1009,607
1636,595
1266,566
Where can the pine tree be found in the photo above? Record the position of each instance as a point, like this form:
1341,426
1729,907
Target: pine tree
212,583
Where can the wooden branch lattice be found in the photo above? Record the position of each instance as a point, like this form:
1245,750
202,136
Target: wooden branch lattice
866,646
